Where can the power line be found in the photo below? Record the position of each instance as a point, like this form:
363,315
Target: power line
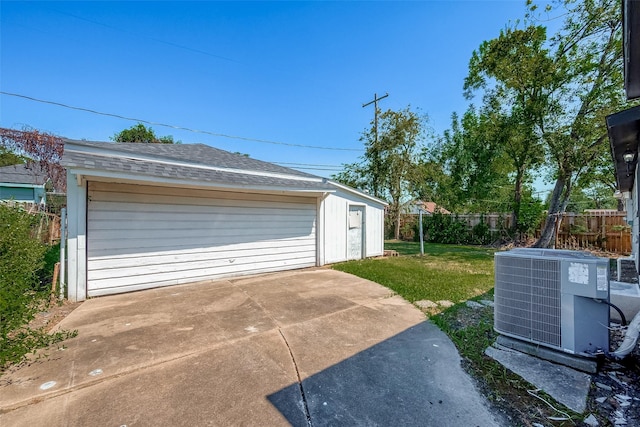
169,43
316,169
308,164
221,135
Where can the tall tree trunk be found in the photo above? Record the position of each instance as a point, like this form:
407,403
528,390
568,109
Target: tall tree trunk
559,200
517,202
396,231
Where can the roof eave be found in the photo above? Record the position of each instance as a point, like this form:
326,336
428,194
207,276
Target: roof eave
357,192
21,185
623,129
630,24
119,177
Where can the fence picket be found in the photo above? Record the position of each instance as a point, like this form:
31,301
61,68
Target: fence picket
599,229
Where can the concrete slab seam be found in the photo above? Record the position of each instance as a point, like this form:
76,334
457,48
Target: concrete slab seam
301,388
293,359
372,305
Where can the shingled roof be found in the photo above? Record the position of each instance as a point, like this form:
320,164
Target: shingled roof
190,162
22,174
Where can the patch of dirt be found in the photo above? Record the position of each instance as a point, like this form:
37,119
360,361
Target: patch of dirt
614,398
50,316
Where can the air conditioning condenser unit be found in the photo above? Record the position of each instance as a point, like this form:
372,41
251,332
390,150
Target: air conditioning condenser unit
553,298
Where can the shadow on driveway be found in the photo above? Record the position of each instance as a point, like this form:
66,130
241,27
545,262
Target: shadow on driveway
411,379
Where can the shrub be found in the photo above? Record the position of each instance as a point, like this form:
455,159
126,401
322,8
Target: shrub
531,215
448,229
440,228
23,285
481,233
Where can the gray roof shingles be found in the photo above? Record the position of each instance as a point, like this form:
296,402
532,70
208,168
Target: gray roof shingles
155,156
22,174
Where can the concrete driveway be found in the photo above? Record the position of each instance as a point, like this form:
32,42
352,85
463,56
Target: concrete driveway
306,348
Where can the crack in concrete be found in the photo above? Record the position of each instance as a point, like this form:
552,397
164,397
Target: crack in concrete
307,414
295,365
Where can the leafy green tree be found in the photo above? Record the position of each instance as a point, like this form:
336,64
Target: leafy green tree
9,158
141,133
521,150
594,197
388,166
430,180
472,159
484,154
561,88
355,175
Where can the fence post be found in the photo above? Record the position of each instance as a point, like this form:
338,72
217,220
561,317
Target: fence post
421,233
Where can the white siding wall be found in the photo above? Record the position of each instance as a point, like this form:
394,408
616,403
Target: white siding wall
76,238
142,236
335,229
336,213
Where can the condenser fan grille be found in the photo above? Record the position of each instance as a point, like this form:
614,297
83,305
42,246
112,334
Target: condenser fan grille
527,299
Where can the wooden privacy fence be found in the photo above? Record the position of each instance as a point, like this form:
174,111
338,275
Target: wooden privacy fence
605,230
47,228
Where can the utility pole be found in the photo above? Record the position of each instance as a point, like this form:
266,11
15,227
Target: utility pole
375,160
375,112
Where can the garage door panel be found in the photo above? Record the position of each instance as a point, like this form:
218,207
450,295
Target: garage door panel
154,279
137,239
260,223
212,254
124,248
116,270
242,233
122,210
119,287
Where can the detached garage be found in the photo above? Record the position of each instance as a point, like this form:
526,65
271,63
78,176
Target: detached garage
148,215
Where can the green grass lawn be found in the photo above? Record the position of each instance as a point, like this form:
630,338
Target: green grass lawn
445,272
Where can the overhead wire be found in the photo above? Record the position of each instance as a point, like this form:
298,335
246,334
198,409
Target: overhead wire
148,122
315,169
308,164
169,43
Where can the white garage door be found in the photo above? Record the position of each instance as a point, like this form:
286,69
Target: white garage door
142,237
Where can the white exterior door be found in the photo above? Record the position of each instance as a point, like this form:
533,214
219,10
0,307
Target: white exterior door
355,228
142,237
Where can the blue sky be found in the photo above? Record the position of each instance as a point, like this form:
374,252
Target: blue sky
290,72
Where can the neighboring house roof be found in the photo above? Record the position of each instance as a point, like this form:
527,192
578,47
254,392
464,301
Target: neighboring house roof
186,162
426,207
431,208
21,174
